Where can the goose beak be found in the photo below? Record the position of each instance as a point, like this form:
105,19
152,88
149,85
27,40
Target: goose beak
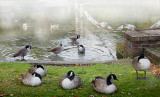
117,79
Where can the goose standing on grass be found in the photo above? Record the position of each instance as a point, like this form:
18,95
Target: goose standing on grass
33,79
156,24
23,52
70,81
105,85
81,49
57,49
74,39
40,69
141,63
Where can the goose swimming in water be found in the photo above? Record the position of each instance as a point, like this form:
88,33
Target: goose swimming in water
74,39
81,49
57,49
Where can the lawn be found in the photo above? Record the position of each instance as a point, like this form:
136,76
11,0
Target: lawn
11,84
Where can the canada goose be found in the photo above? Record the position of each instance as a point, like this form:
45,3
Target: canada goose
105,85
141,63
57,50
74,39
23,52
33,79
81,49
40,69
70,81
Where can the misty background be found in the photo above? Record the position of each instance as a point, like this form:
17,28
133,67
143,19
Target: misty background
43,12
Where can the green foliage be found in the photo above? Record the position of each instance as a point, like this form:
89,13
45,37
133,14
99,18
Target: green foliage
11,84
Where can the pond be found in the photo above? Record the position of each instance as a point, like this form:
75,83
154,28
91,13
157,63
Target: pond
99,44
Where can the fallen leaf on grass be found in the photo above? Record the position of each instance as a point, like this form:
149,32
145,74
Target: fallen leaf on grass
122,92
21,92
9,82
91,96
72,94
56,77
99,74
16,76
79,88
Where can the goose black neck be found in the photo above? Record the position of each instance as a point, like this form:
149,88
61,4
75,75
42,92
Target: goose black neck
72,77
140,57
40,66
37,75
109,80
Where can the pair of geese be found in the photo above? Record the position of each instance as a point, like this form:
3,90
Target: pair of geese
72,81
24,51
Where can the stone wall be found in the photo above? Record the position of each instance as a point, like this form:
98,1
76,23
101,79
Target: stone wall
135,41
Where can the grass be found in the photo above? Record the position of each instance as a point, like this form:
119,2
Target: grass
11,84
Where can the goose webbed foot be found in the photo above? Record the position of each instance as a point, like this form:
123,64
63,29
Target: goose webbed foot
138,78
23,60
145,78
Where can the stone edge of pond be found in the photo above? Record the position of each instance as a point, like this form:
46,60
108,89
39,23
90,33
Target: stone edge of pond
126,61
56,63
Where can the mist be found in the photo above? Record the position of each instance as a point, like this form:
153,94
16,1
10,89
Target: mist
40,13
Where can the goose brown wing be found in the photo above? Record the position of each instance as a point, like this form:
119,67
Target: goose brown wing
32,69
98,83
19,52
73,38
135,62
26,78
54,49
77,82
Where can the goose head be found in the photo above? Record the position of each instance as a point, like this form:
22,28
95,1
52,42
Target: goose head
70,75
78,36
28,46
141,56
110,77
34,74
80,46
40,66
